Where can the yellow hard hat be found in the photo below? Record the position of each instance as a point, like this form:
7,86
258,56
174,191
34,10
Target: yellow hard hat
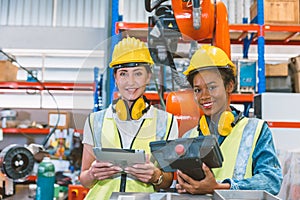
130,50
209,56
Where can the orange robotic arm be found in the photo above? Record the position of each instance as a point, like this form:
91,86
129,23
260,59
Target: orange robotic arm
213,23
183,106
222,37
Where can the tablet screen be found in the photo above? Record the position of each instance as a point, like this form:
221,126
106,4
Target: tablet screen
120,157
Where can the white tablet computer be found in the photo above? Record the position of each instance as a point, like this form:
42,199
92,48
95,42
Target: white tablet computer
120,157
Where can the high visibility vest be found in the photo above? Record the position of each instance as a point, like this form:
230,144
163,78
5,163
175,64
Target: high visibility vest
237,149
106,135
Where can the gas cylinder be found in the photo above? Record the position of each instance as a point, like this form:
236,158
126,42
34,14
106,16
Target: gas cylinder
45,180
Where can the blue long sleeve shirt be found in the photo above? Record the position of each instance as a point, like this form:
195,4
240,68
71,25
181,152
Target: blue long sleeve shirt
267,172
266,169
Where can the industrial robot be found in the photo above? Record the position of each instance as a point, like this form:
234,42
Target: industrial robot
184,21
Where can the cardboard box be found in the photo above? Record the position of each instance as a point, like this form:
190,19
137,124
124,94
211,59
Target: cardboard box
279,84
62,119
280,69
278,11
8,71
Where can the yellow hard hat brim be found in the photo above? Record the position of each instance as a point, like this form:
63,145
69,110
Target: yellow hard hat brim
194,69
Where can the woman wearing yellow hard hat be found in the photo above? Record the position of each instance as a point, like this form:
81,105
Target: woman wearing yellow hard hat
130,122
250,161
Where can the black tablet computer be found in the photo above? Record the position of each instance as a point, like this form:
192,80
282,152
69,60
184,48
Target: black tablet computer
120,157
187,155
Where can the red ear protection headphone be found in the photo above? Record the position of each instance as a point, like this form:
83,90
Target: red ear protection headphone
139,107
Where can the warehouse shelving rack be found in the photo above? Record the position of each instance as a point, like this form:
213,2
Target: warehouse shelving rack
271,34
52,86
47,85
39,131
261,34
274,34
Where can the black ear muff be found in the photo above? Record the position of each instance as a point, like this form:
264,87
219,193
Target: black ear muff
225,124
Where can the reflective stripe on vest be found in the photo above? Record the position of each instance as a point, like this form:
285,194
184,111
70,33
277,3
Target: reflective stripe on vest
163,126
241,154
